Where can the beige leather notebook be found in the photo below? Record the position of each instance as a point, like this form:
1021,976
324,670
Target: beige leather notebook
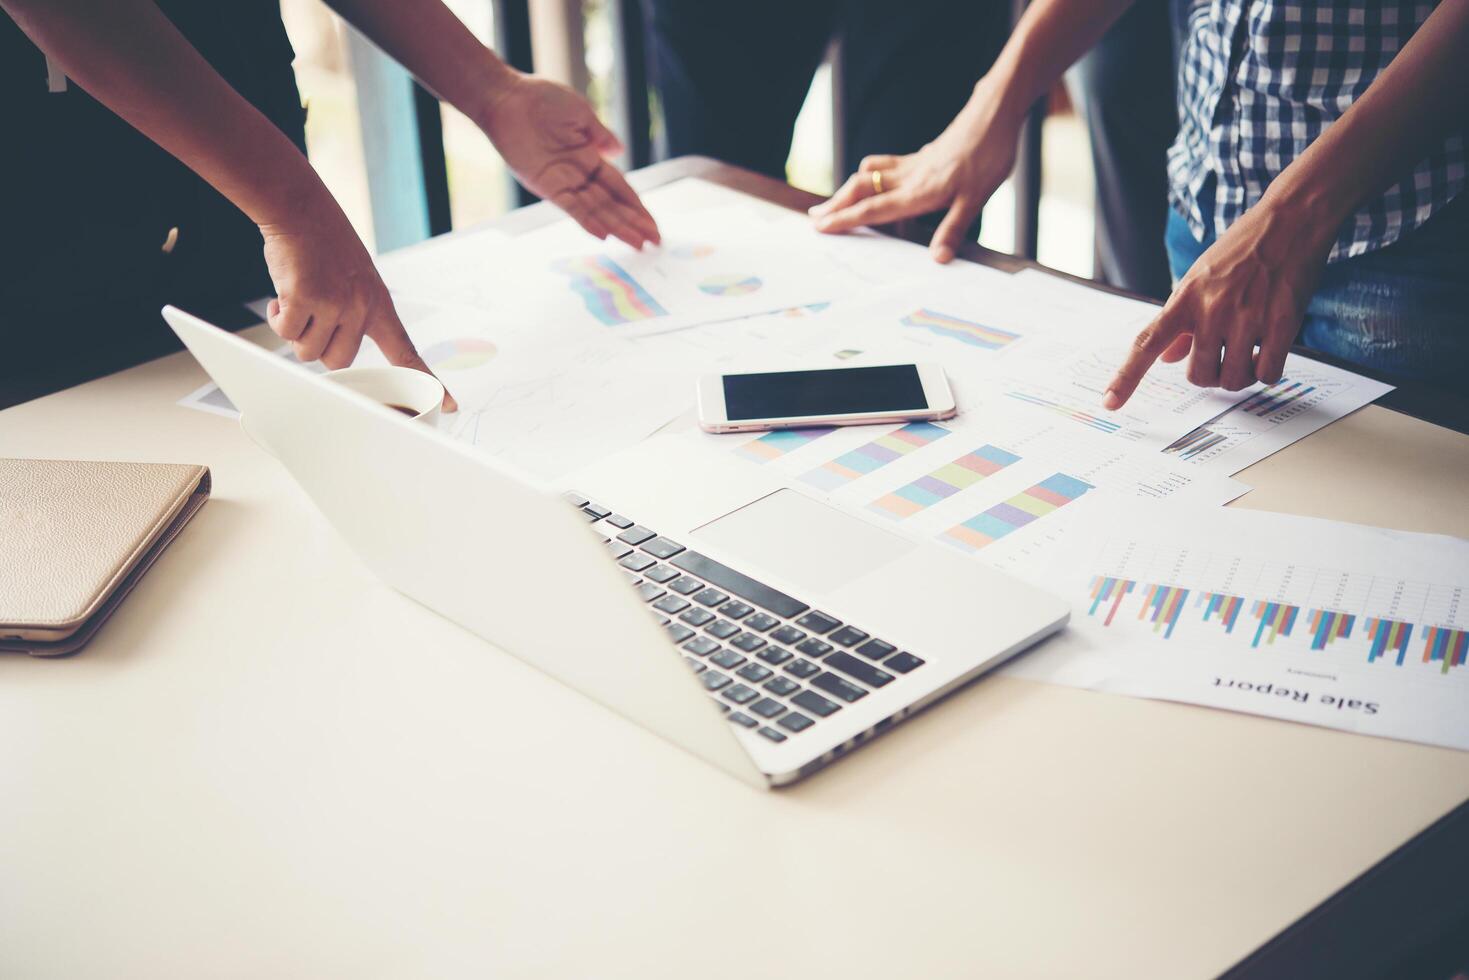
75,537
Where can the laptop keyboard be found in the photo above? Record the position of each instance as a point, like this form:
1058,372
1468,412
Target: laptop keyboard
771,662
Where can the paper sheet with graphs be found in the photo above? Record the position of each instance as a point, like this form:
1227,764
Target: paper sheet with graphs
1349,627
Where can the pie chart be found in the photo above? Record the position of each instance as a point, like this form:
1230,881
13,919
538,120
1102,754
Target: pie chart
730,285
460,354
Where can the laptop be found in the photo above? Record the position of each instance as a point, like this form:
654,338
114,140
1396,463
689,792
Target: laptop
752,625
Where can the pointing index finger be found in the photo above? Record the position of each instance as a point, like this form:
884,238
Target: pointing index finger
1150,342
386,330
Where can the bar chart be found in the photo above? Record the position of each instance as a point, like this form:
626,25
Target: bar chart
774,445
873,456
1026,507
951,478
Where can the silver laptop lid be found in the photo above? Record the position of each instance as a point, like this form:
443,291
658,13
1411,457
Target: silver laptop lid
418,506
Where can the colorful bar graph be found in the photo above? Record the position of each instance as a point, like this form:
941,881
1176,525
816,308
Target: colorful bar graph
1268,401
1074,414
1107,592
1225,607
957,328
984,529
1162,606
774,445
608,291
874,455
1327,626
1199,441
1275,619
1388,634
943,482
1449,646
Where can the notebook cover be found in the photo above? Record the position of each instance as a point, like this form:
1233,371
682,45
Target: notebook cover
76,536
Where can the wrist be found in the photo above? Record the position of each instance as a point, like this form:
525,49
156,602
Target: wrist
303,202
998,103
1308,213
496,82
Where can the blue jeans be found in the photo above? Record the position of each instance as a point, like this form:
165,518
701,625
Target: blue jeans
1403,310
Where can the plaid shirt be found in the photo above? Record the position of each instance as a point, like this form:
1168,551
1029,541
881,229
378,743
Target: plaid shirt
1260,79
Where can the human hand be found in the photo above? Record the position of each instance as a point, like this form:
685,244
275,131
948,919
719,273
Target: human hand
1236,312
959,170
329,294
554,142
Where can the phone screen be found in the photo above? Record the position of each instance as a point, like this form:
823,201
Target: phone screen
841,391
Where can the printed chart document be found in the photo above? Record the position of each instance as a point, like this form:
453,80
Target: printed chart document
1349,627
991,486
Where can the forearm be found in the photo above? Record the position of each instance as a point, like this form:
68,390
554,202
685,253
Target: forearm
130,57
1050,36
431,42
1408,109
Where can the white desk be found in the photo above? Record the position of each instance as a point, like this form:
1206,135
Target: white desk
268,764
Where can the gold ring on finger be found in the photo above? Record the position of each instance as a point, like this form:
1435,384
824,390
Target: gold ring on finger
877,182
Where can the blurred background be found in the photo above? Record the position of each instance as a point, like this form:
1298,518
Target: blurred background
478,184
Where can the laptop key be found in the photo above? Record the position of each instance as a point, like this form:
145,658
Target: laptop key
617,549
595,510
782,686
810,700
678,633
637,562
840,687
903,663
801,668
663,547
795,721
788,635
575,499
648,591
661,574
860,669
710,597
767,707
713,680
847,636
698,667
671,604
813,647
747,642
593,518
760,622
737,610
742,719
701,646
636,534
772,734
740,694
754,673
727,659
875,649
774,655
723,629
685,585
818,622
617,520
726,578
697,617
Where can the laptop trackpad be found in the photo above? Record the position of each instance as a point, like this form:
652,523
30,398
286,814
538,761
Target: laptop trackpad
803,540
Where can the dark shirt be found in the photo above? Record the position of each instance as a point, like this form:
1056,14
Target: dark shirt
86,203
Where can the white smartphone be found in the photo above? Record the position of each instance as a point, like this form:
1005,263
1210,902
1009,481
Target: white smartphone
834,396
